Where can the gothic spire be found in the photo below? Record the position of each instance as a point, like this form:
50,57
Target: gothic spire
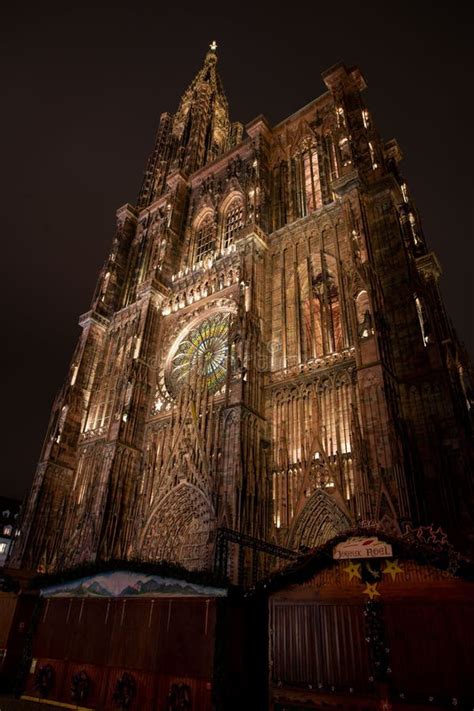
207,74
198,132
201,124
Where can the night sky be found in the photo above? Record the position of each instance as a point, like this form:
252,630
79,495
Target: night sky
83,89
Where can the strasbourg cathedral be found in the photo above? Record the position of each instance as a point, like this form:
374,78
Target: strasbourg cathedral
266,354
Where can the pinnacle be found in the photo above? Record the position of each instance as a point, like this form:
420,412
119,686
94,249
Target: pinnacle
211,56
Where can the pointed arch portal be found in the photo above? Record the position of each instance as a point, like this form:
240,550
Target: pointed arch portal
320,520
180,529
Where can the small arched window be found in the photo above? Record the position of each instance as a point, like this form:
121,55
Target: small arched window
233,221
423,319
205,242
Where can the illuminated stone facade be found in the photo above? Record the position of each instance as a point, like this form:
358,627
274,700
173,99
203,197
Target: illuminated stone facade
266,350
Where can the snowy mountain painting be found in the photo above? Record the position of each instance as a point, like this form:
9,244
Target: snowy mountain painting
119,583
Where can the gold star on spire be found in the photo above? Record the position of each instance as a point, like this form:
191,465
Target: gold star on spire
392,568
371,591
213,46
353,570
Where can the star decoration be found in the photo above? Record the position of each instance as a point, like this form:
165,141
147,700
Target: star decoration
373,572
427,535
353,570
213,46
371,590
392,568
439,537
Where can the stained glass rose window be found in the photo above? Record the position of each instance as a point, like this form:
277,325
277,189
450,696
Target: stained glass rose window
202,353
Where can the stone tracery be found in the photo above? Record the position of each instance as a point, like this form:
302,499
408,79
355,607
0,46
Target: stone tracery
203,351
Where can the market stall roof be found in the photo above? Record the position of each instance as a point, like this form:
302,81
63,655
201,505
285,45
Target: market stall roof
425,545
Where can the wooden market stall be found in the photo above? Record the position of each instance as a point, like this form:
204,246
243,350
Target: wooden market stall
361,633
137,640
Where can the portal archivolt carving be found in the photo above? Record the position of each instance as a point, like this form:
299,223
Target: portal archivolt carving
320,520
180,528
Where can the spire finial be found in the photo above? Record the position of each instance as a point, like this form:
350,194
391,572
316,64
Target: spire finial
213,46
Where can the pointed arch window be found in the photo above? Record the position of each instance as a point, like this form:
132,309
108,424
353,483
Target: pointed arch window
233,221
205,239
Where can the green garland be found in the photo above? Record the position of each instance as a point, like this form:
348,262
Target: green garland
179,698
375,638
80,686
125,691
44,680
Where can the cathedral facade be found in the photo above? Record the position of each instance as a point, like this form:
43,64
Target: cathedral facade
266,352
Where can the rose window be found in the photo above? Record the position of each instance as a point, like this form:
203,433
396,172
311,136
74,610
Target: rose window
201,354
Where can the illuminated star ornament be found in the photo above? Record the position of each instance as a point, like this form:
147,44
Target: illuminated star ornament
371,591
426,534
353,570
213,46
392,568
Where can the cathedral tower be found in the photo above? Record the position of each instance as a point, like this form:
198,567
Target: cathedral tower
266,352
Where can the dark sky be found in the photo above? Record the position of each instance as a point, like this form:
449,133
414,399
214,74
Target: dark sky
83,88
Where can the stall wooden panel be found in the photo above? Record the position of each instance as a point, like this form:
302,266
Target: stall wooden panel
190,626
88,627
155,640
8,603
15,634
54,617
314,643
434,639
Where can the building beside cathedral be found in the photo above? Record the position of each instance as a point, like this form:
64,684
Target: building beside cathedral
9,525
266,354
